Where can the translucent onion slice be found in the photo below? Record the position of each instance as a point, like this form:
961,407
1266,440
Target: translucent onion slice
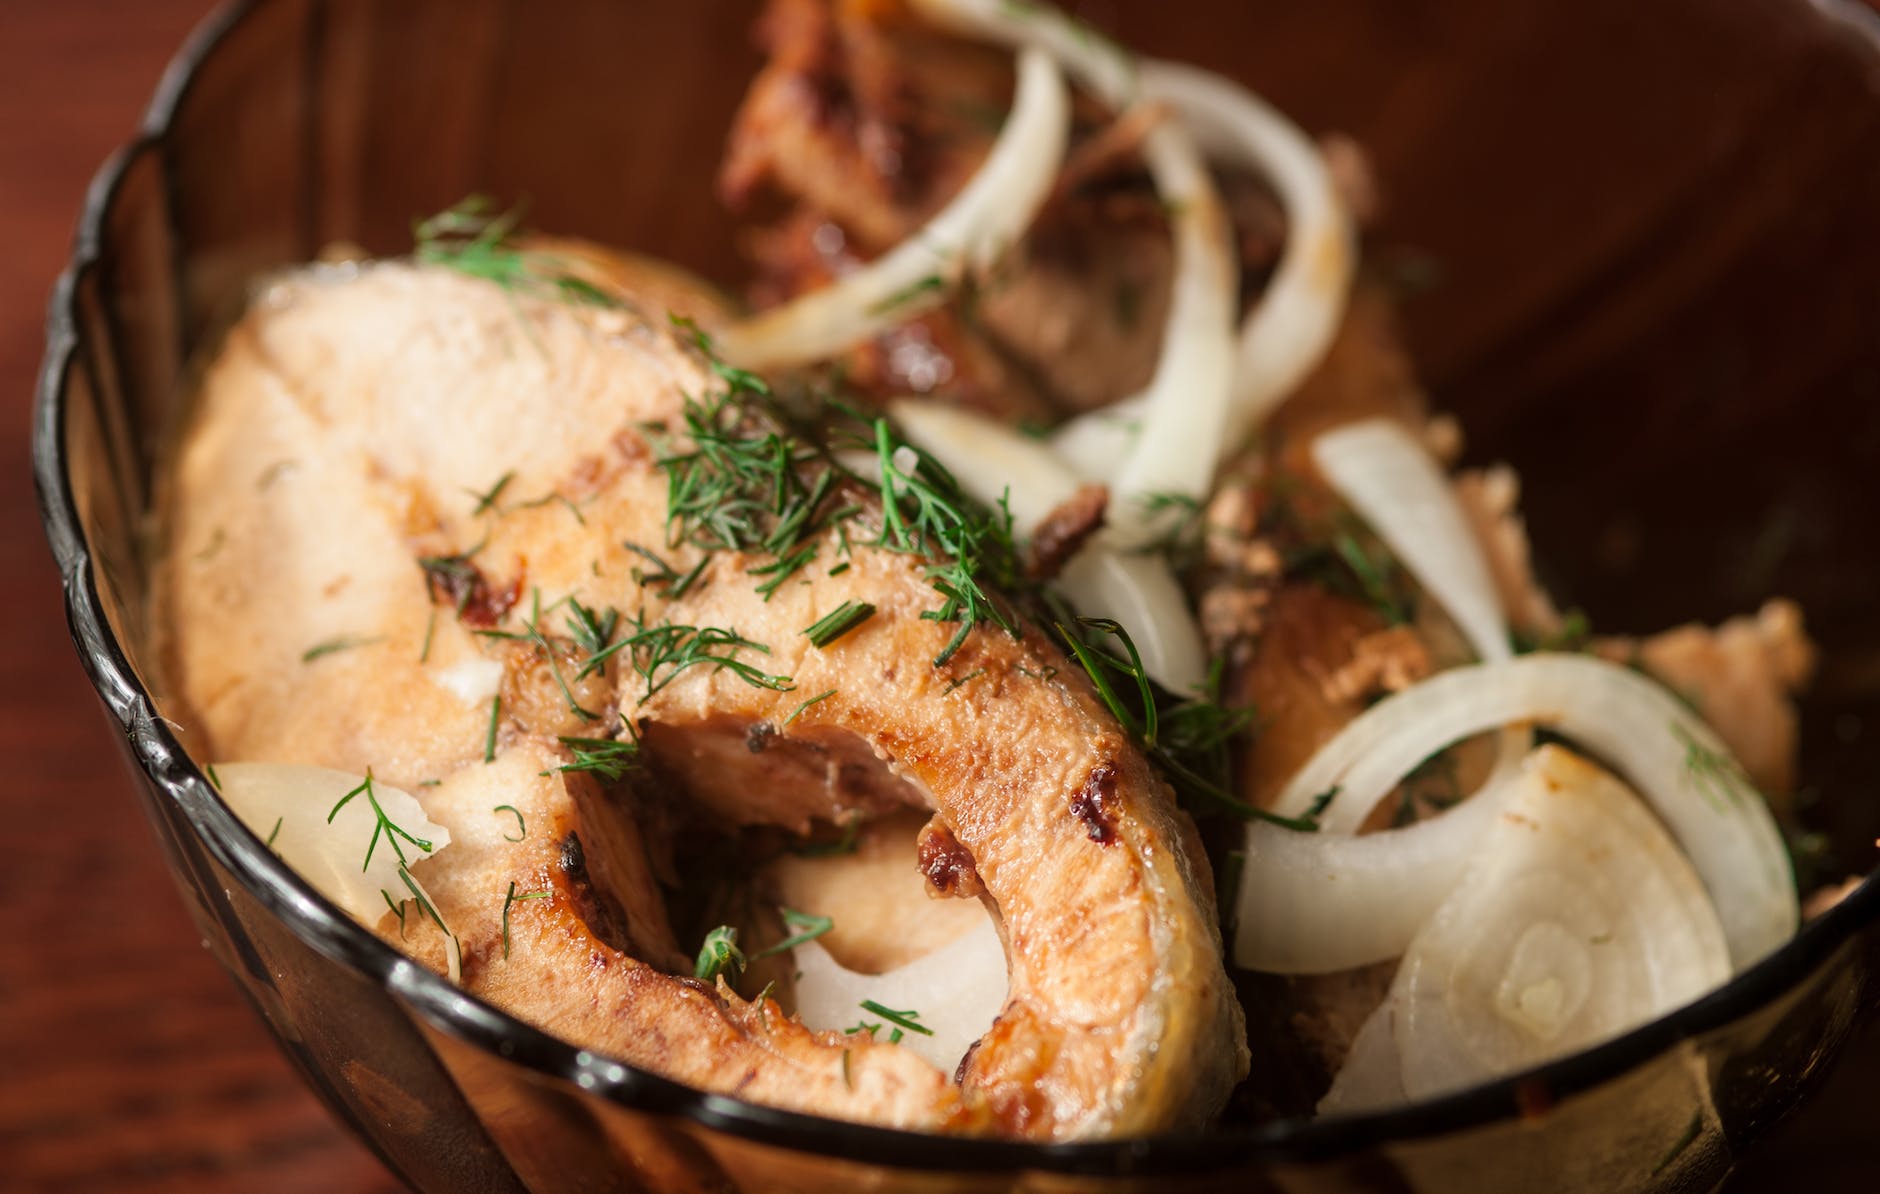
982,222
1318,903
350,859
1288,331
1578,920
1652,738
1388,476
1185,407
958,990
991,461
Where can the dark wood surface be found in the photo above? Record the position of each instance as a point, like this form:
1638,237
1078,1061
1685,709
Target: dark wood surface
127,1061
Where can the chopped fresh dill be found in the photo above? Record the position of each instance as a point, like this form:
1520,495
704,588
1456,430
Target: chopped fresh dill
487,499
397,910
424,906
1376,574
659,653
533,634
609,758
333,646
720,955
909,1020
924,512
846,844
838,622
805,928
737,480
474,240
489,739
511,897
592,631
1186,738
962,681
215,781
274,833
522,827
383,825
430,632
798,711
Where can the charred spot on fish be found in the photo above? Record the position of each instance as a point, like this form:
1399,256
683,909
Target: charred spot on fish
598,913
966,1063
1065,530
1094,804
947,865
759,736
459,583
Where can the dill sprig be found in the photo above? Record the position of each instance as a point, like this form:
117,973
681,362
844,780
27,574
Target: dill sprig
474,239
522,826
797,712
533,634
720,955
510,898
609,758
924,512
487,500
738,480
383,825
804,928
661,652
333,646
902,1020
592,632
1188,739
838,622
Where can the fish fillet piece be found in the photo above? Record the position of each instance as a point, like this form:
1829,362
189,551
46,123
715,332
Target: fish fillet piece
540,948
408,397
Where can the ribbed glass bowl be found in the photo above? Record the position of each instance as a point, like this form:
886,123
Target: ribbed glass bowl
1656,291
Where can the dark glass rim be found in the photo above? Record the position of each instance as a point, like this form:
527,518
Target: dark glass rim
466,1018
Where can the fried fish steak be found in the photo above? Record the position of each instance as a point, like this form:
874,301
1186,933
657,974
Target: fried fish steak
398,484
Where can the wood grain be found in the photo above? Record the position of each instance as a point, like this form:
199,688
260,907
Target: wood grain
127,1060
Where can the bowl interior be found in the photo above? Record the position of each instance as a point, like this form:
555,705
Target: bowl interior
1638,239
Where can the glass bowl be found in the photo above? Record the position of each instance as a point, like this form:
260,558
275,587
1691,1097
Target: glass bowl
1646,236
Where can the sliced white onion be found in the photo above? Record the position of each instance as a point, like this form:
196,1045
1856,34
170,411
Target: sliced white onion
1185,407
1578,919
1288,331
958,990
981,223
1388,476
288,806
991,461
1097,444
1286,334
1318,903
1657,743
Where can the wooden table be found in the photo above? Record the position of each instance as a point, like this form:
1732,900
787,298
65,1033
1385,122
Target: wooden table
127,1061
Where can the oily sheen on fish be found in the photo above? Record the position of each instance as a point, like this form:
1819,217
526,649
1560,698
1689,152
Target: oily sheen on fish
335,549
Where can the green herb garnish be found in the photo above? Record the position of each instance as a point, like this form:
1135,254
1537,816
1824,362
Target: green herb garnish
798,711
838,622
807,928
609,758
909,1020
383,825
333,646
720,955
522,827
510,898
